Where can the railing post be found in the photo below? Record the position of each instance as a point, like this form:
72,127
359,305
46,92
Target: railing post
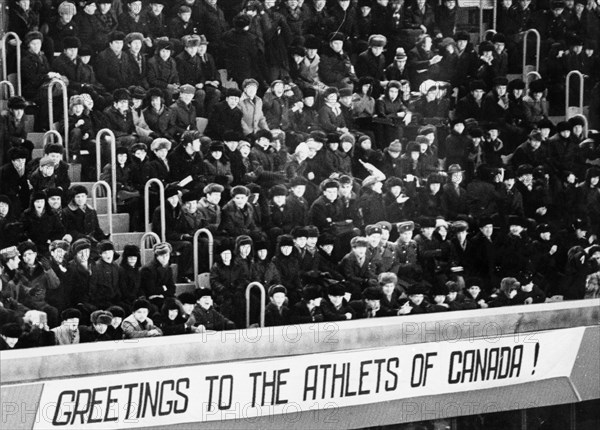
4,64
567,91
161,191
52,133
143,244
108,194
11,88
485,33
65,97
261,288
538,41
209,235
113,161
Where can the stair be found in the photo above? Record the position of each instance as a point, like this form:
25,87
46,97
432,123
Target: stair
122,239
37,139
184,288
120,223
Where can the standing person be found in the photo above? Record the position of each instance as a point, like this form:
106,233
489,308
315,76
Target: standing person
241,51
113,66
157,276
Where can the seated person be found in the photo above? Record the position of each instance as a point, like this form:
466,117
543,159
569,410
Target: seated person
138,324
205,315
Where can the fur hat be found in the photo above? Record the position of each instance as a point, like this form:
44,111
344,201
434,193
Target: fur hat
16,102
56,244
28,245
162,248
140,304
116,36
160,143
70,313
32,35
101,317
121,94
116,311
80,245
274,289
71,42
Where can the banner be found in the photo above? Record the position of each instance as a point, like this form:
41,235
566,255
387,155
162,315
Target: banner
246,389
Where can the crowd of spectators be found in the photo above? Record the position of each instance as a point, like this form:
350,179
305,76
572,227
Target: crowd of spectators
358,158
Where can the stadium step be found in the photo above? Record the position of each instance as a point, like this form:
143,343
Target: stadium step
37,139
75,172
122,239
120,223
184,288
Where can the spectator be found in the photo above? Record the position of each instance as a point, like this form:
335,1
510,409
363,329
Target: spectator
138,324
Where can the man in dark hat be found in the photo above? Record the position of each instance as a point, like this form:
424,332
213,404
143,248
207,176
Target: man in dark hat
308,310
206,316
120,121
241,52
104,25
371,62
104,283
470,106
334,306
357,270
13,180
67,63
335,68
485,254
157,279
369,305
113,65
238,214
226,115
162,70
132,19
189,69
328,208
138,325
531,151
80,219
13,126
495,104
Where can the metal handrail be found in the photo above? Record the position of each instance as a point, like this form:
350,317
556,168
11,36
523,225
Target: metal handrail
53,133
532,73
263,296
11,87
209,235
494,12
65,96
567,90
163,222
113,161
538,39
143,244
4,64
485,33
108,207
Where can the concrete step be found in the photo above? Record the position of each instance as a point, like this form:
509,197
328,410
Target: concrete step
184,288
122,239
75,172
120,223
37,153
101,205
37,139
29,123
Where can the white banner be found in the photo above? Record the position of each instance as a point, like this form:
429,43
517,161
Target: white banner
247,389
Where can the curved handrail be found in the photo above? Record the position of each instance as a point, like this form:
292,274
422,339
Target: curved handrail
53,133
538,40
108,207
11,87
6,36
567,90
163,222
486,32
209,235
143,244
527,80
113,161
65,96
263,295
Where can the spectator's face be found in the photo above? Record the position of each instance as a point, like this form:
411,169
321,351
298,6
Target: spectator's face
278,299
336,45
173,314
39,205
163,259
517,93
383,3
71,53
278,89
334,146
205,302
299,190
84,255
579,8
141,314
55,202
311,52
29,257
262,254
279,200
80,199
311,242
461,236
578,129
47,170
377,50
344,4
245,250
565,133
477,94
226,257
156,8
116,46
309,101
365,10
90,9
456,178
393,93
213,198
487,230
101,328
336,300
240,200
493,134
509,183
173,200
121,158
202,48
450,4
535,144
232,101
35,46
328,249
105,7
331,194
406,236
191,207
286,250
24,4
165,54
499,47
461,44
300,242
515,230
162,153
55,157
526,179
132,261
135,7
140,154
135,46
250,90
13,263
374,239
122,105
156,103
10,341
501,90
388,288
18,113
417,299
346,146
188,308
71,323
58,254
360,251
